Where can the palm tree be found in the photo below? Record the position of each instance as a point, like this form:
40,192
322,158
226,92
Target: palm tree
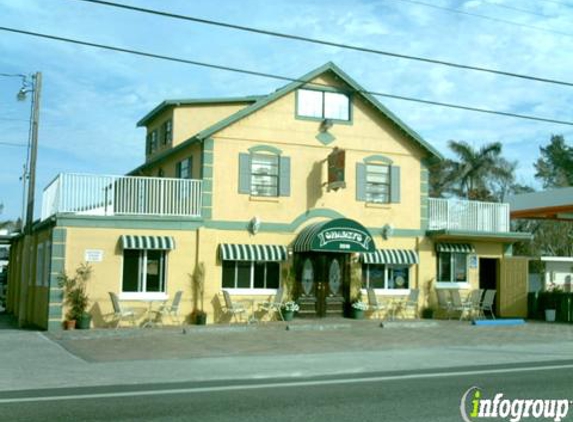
479,174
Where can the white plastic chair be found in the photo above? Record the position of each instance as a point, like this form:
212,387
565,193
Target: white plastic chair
373,304
233,308
488,303
120,312
458,305
411,302
444,301
275,304
173,309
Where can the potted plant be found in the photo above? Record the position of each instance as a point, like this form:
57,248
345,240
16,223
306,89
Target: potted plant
288,310
551,298
428,313
358,309
198,280
76,298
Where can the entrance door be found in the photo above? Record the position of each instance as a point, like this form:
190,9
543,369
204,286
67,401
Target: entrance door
322,279
488,273
513,287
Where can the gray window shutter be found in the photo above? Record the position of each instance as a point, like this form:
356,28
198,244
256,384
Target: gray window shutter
395,184
360,182
284,180
244,173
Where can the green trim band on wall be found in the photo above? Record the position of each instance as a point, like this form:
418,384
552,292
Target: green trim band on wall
55,311
378,158
55,325
130,222
59,235
265,148
56,296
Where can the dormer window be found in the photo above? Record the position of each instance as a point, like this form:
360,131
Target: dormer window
323,104
152,142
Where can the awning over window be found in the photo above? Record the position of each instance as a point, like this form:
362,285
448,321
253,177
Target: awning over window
455,247
147,242
338,235
242,252
391,256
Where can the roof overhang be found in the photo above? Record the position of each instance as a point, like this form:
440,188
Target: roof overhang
556,204
506,237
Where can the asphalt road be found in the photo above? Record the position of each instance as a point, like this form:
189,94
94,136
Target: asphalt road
406,396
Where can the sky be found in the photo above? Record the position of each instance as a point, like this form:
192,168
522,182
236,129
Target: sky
92,99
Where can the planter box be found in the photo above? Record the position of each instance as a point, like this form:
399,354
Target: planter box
357,313
287,315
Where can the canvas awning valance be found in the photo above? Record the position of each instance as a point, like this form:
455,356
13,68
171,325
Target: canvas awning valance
455,247
147,242
242,252
391,256
338,235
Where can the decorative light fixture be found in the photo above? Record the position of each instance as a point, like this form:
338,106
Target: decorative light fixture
325,125
254,225
387,231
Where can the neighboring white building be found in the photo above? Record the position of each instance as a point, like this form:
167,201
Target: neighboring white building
558,271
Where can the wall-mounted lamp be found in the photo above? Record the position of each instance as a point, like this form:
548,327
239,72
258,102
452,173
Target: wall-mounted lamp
325,125
254,225
387,231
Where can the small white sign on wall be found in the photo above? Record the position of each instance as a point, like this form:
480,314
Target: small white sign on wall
93,255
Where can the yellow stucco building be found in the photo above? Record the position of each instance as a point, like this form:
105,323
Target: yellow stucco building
316,188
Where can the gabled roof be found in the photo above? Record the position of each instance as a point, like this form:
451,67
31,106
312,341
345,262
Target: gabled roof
261,101
195,101
303,81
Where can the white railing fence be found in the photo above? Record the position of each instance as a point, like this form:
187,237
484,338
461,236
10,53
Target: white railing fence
122,195
453,214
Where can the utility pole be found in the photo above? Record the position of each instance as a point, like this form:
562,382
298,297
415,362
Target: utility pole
35,121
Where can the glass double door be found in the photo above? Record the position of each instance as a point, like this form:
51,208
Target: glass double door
323,281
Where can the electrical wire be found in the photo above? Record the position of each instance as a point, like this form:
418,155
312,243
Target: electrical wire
517,9
328,43
278,77
11,144
476,15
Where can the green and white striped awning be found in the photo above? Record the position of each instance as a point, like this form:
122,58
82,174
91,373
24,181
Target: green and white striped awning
242,252
455,247
391,256
147,242
338,235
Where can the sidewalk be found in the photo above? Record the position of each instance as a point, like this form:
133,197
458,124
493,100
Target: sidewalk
307,348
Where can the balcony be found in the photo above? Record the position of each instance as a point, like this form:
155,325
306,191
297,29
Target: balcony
101,195
470,216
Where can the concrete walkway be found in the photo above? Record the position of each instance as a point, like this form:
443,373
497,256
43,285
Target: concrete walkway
30,360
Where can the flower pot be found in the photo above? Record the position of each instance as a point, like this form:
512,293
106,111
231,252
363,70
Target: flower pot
84,322
201,318
550,315
70,324
357,313
288,315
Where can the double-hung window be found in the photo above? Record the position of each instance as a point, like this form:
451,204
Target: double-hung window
251,275
143,271
166,132
264,175
184,169
152,141
323,104
387,277
452,267
378,183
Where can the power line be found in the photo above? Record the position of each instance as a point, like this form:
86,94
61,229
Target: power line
476,15
328,43
11,119
12,75
11,144
517,9
559,2
278,77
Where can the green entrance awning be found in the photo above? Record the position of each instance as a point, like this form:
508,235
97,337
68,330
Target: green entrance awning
242,252
338,235
391,256
147,242
455,247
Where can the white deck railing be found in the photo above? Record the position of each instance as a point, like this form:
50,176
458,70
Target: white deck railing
453,214
122,195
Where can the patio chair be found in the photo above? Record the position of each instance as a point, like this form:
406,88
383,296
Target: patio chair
275,304
233,308
459,305
487,303
474,301
444,301
120,312
373,304
173,309
411,302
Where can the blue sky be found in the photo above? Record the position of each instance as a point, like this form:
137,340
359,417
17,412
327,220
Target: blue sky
92,99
